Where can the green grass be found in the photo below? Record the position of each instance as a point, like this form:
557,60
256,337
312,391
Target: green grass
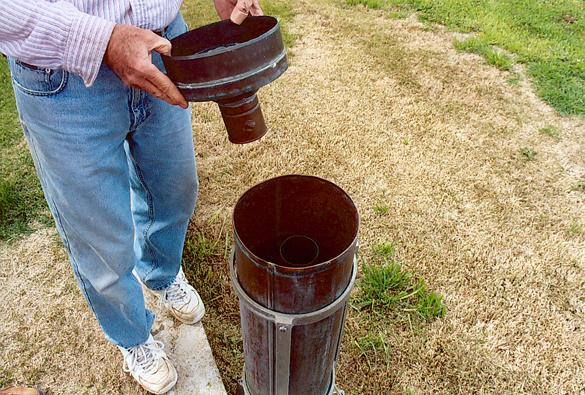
384,250
386,287
285,14
527,154
547,36
373,348
200,255
575,229
198,13
514,79
199,248
381,209
551,132
21,197
373,4
492,57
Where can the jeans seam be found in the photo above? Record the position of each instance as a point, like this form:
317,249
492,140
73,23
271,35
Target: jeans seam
66,242
151,216
161,288
137,108
32,92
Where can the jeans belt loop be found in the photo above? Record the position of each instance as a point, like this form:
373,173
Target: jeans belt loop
161,32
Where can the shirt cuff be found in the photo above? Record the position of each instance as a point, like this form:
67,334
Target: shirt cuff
86,45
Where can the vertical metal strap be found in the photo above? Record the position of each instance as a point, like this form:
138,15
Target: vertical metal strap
271,358
338,347
270,327
283,351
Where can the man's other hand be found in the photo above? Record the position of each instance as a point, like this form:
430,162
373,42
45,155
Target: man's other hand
129,55
237,10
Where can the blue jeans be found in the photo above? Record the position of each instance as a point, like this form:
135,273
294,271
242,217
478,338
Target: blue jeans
118,171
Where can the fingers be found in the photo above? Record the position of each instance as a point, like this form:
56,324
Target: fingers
159,44
241,11
237,10
256,10
151,89
224,8
169,91
152,81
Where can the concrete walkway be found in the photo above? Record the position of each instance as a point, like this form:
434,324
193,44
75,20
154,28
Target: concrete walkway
188,347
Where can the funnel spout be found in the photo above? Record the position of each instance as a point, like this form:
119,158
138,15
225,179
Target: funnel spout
243,118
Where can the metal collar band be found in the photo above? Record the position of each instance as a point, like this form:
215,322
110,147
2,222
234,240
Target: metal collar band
280,343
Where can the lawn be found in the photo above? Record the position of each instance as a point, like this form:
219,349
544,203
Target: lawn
548,37
470,191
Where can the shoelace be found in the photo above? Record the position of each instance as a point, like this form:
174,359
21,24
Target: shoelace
174,293
143,357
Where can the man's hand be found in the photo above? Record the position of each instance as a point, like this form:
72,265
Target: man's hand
237,10
129,56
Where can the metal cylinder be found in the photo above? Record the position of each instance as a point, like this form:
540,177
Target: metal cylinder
293,268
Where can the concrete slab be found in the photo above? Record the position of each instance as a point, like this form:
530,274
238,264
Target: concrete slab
188,348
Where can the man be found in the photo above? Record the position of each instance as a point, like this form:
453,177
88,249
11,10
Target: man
111,139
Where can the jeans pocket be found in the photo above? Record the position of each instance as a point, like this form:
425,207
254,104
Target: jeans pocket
37,81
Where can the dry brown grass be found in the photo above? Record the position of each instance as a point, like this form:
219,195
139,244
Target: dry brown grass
48,336
391,112
388,110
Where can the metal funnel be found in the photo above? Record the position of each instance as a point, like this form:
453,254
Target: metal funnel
228,63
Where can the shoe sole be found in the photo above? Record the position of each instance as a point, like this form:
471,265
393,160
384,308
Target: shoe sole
165,389
199,314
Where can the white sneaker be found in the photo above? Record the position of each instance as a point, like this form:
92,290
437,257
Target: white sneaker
150,366
181,299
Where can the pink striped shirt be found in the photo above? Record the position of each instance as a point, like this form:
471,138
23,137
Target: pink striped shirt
74,34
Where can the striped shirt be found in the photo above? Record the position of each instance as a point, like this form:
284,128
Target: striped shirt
74,34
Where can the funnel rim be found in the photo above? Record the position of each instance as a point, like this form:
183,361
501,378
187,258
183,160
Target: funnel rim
231,48
290,269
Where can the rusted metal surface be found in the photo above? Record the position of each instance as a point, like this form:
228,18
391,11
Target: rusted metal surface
228,63
243,118
295,243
